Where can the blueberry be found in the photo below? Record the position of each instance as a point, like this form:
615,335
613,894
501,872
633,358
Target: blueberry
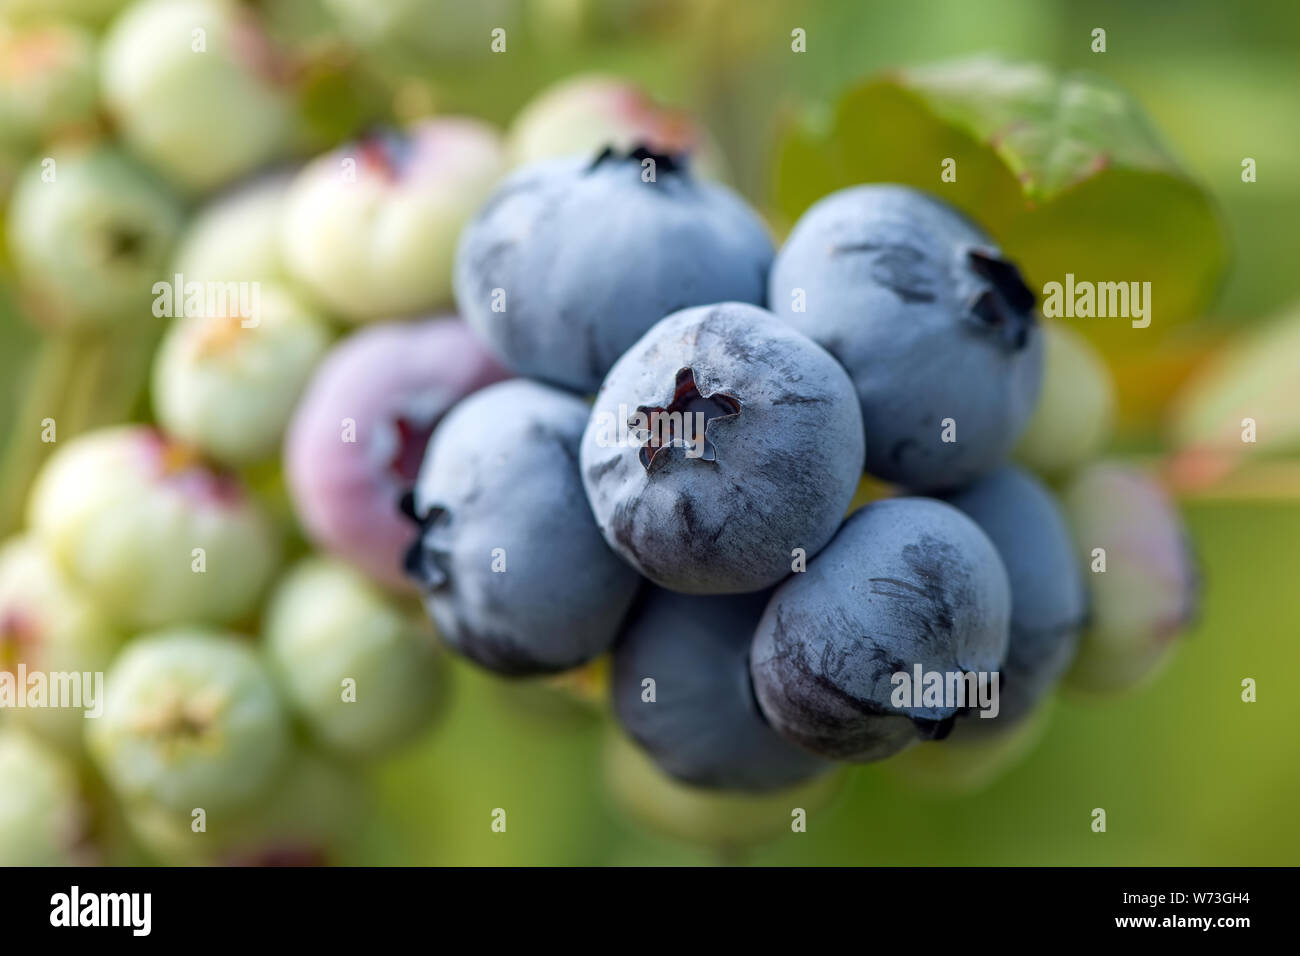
1076,410
49,626
49,87
513,568
703,726
930,321
905,582
235,237
723,820
305,815
370,229
773,471
89,245
584,114
326,625
573,259
1141,574
228,382
153,534
202,117
191,719
1048,601
354,444
42,817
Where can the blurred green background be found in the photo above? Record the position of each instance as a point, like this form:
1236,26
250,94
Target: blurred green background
1187,772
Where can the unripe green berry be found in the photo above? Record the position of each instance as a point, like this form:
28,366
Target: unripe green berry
362,670
153,534
1076,407
191,720
228,383
42,818
1147,593
47,81
50,627
720,819
195,87
90,232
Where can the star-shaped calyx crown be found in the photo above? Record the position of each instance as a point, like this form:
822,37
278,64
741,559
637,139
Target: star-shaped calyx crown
684,421
423,563
1007,307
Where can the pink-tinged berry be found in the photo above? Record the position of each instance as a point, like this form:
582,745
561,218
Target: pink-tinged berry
154,534
196,89
370,229
356,440
1140,570
584,114
49,627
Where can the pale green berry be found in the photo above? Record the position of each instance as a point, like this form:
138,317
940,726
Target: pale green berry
967,762
236,236
90,232
191,720
195,87
152,533
42,818
304,817
584,114
362,670
51,628
228,383
1147,594
720,819
1076,407
370,230
47,81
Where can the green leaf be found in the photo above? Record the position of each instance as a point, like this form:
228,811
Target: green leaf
1064,170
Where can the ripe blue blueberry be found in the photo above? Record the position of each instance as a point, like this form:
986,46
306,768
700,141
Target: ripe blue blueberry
512,566
572,260
936,329
1048,601
746,448
701,724
905,582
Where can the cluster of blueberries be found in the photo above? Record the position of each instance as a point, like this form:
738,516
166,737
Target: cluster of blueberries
692,518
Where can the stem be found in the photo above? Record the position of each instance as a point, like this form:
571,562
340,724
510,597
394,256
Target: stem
47,381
